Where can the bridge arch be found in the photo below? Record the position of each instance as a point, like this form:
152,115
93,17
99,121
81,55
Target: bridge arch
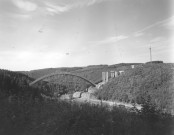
61,73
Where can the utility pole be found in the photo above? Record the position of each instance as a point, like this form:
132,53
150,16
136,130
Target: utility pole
150,54
119,49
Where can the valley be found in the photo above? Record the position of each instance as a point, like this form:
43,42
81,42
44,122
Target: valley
64,104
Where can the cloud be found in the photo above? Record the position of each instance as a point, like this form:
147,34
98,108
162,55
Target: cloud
121,37
57,7
160,40
52,7
25,5
157,39
91,2
22,16
169,22
138,34
14,59
110,40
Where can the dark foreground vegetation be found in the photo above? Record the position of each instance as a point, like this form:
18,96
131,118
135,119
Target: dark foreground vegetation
63,118
23,111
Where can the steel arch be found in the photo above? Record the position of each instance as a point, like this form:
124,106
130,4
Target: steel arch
60,73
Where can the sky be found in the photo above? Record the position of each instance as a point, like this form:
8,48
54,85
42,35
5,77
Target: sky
37,34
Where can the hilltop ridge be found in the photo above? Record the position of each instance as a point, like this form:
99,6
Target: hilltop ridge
91,72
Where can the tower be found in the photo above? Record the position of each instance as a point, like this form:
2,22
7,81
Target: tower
150,54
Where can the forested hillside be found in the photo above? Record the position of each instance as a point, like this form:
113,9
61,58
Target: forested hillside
24,112
63,85
16,85
92,72
152,83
